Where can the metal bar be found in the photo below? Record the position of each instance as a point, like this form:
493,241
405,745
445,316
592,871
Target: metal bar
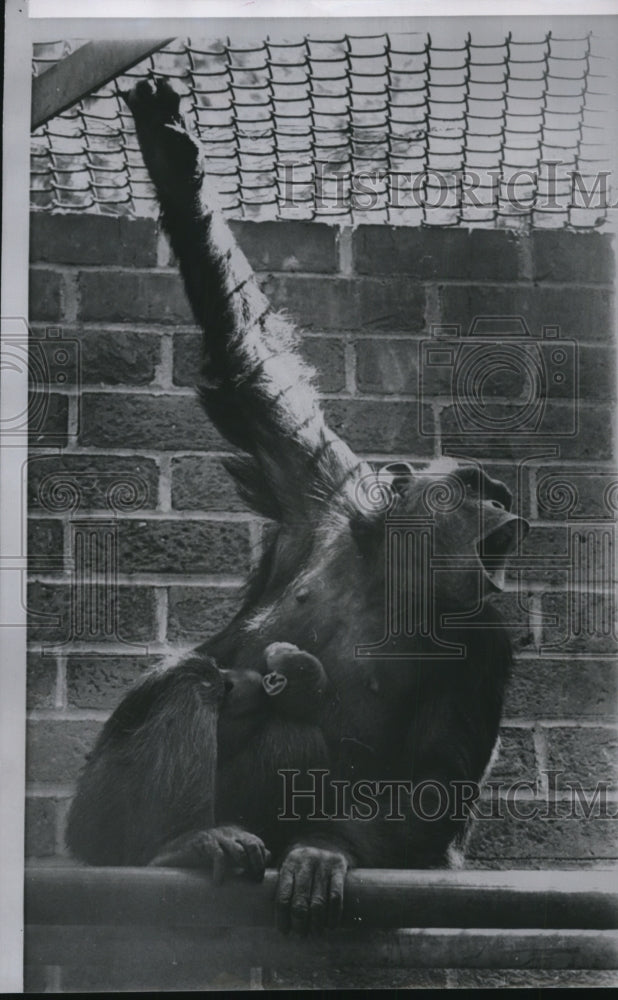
89,67
140,957
374,898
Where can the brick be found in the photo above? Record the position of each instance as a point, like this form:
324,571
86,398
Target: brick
583,314
45,294
288,246
49,610
201,483
586,755
82,238
567,493
370,425
387,366
118,357
348,304
117,296
326,355
56,749
549,839
40,825
48,419
560,256
183,547
597,372
187,358
546,689
41,681
166,422
45,543
198,613
516,757
390,305
94,478
101,682
426,254
570,635
592,440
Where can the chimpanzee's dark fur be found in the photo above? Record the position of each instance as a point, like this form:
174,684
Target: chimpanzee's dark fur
148,793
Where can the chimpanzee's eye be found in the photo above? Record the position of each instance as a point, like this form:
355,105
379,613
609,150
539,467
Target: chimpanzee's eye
470,480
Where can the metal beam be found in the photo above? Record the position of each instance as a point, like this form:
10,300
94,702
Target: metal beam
151,958
374,898
89,67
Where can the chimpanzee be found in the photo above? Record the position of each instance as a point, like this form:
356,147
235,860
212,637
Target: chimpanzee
379,576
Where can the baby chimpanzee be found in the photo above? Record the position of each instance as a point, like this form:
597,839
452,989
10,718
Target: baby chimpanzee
258,707
291,686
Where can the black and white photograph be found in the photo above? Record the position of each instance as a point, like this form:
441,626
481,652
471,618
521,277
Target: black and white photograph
308,497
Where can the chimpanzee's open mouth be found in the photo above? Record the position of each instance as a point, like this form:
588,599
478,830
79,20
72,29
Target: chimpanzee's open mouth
494,549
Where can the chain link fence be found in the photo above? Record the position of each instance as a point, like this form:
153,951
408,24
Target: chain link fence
504,131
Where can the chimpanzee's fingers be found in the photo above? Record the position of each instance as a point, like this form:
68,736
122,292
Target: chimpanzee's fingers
285,894
335,896
310,889
255,857
300,905
318,908
219,864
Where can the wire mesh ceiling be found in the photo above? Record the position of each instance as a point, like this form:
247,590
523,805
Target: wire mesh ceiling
402,128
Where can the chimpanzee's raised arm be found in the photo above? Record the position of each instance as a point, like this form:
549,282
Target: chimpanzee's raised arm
254,385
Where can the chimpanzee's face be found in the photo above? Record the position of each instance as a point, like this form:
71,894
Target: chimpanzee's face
454,529
448,531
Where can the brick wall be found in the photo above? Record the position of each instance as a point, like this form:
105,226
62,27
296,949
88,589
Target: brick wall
365,299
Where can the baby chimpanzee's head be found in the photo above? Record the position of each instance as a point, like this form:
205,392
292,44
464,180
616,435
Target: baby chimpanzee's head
291,684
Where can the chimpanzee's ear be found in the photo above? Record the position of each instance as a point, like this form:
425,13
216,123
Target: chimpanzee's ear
400,473
377,496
